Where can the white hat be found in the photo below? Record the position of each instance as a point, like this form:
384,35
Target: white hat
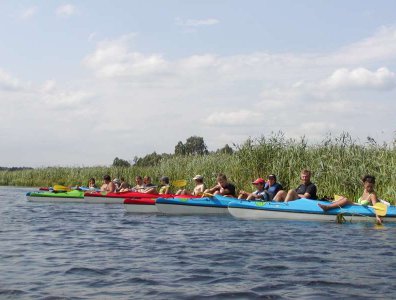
198,177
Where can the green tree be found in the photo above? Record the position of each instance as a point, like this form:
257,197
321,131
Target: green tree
152,159
180,149
195,145
226,150
118,162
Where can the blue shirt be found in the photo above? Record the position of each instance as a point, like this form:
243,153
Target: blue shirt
272,190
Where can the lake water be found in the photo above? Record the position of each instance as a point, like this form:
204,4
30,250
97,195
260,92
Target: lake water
93,251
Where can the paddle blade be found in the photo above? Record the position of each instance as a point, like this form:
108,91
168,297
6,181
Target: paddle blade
380,209
179,183
207,195
337,197
60,188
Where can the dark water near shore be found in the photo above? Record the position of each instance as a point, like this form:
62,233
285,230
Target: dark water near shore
81,251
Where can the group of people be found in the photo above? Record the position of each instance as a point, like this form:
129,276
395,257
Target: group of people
265,190
143,185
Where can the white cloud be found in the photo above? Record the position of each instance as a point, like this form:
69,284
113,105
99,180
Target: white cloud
57,98
379,47
196,22
48,86
8,82
114,59
66,10
225,99
28,13
235,118
361,78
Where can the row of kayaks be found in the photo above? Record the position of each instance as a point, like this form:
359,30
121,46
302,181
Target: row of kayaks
134,202
81,196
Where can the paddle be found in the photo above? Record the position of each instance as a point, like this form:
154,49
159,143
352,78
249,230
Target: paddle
60,188
206,195
179,183
380,209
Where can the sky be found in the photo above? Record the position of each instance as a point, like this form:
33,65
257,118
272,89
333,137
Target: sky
83,82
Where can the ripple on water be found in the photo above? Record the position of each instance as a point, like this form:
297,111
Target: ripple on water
11,293
87,271
81,251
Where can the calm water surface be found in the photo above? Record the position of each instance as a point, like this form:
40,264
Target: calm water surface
82,251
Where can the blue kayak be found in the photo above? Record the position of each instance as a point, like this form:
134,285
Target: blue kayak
194,206
302,209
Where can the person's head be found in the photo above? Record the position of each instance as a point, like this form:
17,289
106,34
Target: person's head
198,179
271,179
122,179
91,181
259,183
147,179
116,181
222,179
305,176
139,180
368,182
164,180
106,178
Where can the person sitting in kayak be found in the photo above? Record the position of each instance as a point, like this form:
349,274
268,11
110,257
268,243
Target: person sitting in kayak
223,187
260,194
369,197
149,188
92,183
124,186
117,183
107,186
198,189
306,189
165,186
272,187
139,184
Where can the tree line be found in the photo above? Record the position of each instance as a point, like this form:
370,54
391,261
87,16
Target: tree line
194,145
15,169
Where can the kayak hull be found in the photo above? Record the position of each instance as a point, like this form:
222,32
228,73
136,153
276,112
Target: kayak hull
62,197
217,205
117,198
140,205
303,209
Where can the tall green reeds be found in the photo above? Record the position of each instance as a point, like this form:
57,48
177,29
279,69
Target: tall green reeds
337,163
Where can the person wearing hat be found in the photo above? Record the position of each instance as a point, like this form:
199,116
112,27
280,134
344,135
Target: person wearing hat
108,186
198,189
260,194
272,187
165,186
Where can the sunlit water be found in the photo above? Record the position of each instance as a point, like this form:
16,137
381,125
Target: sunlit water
82,251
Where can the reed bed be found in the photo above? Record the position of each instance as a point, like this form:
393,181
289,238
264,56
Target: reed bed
337,163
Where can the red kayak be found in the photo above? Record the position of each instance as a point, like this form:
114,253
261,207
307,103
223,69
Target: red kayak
140,205
103,197
147,205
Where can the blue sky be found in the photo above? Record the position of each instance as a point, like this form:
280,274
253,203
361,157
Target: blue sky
82,82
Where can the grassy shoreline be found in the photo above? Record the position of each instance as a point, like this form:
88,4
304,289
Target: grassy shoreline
337,165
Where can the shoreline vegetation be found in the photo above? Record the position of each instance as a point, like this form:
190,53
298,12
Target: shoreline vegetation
337,165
